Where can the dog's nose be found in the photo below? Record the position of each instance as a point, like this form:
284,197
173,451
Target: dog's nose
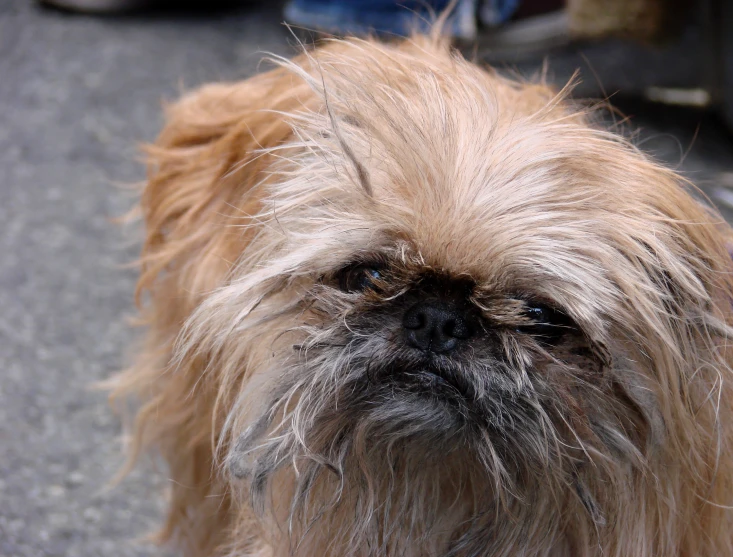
435,326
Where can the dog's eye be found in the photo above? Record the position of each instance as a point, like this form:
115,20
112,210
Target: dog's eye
545,323
359,277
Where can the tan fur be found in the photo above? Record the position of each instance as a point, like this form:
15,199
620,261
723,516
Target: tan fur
260,191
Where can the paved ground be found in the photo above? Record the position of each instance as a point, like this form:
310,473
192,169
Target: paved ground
76,94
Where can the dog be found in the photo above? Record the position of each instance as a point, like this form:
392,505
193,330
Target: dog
400,305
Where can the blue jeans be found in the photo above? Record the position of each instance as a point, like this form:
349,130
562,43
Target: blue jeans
393,17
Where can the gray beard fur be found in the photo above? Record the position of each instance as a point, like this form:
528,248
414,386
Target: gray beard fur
486,472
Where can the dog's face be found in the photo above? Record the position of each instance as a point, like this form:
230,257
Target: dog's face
465,321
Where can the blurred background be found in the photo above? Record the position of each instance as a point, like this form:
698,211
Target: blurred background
81,85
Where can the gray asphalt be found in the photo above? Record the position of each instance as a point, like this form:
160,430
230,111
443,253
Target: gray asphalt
77,94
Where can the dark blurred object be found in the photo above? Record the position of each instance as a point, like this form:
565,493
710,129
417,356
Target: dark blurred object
644,20
671,51
124,7
723,46
99,6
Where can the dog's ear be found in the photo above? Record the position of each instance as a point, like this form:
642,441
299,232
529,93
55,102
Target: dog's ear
202,174
203,186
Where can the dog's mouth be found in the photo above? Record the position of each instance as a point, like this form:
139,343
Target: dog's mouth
431,381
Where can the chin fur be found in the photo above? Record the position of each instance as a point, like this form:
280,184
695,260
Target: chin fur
298,411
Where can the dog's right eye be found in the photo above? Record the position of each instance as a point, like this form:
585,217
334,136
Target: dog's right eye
358,277
546,323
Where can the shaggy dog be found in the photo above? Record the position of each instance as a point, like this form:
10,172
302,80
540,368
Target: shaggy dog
398,305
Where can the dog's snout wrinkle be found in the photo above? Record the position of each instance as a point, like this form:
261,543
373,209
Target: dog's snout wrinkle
435,326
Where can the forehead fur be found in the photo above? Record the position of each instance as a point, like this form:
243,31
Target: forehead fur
414,149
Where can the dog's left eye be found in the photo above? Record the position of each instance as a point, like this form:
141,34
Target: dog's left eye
546,323
358,277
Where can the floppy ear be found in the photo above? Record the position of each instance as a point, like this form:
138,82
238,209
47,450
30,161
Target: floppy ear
204,174
201,178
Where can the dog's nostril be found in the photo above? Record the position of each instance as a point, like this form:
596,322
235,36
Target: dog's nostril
458,328
414,320
434,326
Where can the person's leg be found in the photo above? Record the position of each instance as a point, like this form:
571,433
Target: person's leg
382,17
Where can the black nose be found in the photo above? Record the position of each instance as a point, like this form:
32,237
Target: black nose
435,326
